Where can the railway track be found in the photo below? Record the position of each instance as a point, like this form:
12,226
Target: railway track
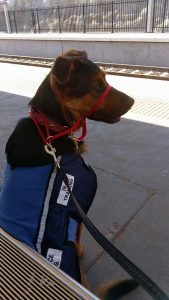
137,71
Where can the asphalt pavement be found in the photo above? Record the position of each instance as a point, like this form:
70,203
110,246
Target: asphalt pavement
131,159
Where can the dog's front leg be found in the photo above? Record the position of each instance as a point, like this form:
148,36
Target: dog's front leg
79,246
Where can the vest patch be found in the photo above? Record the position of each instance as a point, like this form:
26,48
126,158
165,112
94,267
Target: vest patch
64,194
54,256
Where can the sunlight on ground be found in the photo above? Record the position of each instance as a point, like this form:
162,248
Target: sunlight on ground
151,96
21,80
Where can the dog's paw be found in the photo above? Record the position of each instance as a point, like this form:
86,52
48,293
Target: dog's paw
116,289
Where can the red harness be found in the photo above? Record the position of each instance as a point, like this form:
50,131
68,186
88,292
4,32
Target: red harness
40,119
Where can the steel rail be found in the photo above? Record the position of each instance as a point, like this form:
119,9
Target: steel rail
137,71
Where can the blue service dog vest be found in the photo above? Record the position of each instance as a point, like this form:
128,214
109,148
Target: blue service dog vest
36,208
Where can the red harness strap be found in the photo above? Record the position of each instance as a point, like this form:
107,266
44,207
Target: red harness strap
99,101
40,119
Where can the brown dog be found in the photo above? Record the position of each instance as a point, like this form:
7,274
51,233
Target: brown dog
75,89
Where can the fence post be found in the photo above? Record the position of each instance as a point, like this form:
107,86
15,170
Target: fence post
14,17
84,23
150,15
60,29
164,13
37,15
112,26
33,19
8,25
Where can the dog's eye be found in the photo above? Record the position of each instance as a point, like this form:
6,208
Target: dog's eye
98,88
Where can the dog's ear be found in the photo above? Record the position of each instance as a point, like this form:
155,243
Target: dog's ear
73,73
62,70
65,64
73,53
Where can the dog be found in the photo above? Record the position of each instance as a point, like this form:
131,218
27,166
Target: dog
74,89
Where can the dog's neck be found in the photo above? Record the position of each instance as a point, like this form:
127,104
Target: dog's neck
48,102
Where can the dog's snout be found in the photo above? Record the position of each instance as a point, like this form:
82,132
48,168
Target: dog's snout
126,104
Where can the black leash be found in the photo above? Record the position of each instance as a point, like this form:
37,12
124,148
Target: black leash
137,274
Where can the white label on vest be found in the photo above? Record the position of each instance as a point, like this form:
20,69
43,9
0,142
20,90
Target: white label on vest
54,256
64,194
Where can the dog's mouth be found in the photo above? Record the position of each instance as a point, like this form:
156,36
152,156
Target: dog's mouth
117,119
107,120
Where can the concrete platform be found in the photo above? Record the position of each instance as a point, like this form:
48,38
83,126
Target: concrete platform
131,160
150,49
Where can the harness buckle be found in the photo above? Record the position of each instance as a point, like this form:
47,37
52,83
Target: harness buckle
49,139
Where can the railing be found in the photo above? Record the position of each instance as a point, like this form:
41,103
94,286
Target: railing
2,22
161,16
111,16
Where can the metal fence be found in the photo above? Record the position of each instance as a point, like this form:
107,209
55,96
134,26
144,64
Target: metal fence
161,16
111,16
2,22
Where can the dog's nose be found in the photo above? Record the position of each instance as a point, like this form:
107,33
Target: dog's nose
131,101
126,104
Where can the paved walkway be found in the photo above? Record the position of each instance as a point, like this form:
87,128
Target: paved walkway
131,159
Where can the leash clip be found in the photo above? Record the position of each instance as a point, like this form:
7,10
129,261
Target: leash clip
50,150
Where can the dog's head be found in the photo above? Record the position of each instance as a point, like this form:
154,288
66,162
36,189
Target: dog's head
79,83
